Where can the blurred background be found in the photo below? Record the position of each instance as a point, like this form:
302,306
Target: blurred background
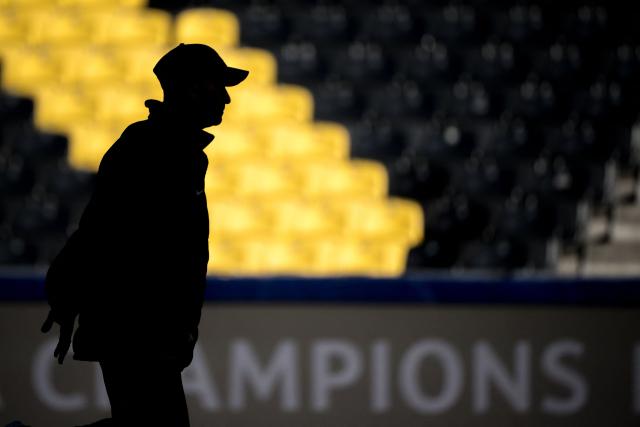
478,152
371,138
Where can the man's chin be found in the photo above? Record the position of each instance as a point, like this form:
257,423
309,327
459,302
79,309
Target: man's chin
215,121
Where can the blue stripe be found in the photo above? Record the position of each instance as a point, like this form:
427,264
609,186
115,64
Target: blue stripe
409,289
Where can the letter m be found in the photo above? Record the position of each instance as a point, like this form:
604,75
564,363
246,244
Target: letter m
246,372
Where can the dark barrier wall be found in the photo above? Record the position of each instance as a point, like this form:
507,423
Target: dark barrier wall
359,352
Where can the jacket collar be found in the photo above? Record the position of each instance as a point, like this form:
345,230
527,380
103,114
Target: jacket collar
159,115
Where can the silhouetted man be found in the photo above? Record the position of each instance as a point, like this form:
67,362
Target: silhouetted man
134,271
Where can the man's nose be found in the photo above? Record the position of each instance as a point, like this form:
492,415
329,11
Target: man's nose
227,98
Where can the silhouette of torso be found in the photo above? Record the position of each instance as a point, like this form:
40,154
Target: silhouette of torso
139,256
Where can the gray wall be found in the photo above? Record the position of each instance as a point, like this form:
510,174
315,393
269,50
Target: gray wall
359,365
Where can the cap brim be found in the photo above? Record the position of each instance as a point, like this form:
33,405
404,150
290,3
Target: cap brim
234,76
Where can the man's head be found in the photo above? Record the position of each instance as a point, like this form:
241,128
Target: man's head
194,80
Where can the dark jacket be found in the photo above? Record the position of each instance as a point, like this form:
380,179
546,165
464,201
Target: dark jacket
135,269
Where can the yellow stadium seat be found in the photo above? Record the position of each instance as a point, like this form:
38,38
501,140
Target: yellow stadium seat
390,257
87,144
391,219
251,104
86,66
232,143
410,218
12,31
367,218
58,107
299,218
24,4
54,26
299,140
136,64
274,256
233,217
128,27
214,27
25,69
341,256
95,4
296,103
119,105
261,64
359,178
262,179
267,104
334,136
225,256
217,182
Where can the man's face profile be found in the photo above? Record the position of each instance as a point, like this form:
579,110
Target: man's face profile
203,102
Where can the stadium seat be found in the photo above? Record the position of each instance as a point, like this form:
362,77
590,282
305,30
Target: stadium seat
263,25
360,178
12,31
294,217
25,69
299,62
376,220
303,141
119,105
497,62
389,23
85,66
376,138
523,23
455,23
498,254
40,216
334,256
126,27
399,99
59,107
427,62
54,26
257,178
232,142
217,181
258,104
237,218
323,23
335,99
261,63
214,27
17,175
273,256
225,256
87,144
97,4
135,64
17,251
362,61
586,23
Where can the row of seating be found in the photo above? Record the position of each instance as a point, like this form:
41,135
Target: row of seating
114,26
26,68
314,179
325,256
272,23
272,143
357,217
284,197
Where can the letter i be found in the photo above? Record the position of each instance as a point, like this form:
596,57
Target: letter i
635,368
380,401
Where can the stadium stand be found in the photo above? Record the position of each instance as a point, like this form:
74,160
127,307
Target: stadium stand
372,137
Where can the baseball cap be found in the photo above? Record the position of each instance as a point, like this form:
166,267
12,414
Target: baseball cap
188,61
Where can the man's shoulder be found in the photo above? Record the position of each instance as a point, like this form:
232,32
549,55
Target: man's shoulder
138,129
